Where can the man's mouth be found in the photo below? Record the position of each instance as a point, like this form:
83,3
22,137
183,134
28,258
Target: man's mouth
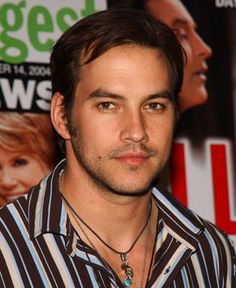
133,159
201,73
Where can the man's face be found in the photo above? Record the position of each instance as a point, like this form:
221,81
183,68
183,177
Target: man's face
122,120
175,15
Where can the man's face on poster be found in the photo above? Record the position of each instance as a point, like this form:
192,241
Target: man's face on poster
175,15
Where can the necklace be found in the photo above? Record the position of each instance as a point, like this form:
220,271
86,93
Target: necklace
128,271
104,261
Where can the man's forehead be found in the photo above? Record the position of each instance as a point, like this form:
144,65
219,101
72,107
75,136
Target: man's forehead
119,57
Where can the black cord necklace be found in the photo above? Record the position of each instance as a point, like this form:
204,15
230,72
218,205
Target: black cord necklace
129,274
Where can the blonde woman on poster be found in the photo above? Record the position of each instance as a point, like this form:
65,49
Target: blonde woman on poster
27,152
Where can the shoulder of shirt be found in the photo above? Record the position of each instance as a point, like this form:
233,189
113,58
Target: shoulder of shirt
190,222
36,208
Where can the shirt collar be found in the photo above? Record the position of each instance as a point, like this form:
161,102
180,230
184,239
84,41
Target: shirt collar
46,210
47,213
180,222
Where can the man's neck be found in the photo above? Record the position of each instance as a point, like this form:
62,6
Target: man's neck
108,214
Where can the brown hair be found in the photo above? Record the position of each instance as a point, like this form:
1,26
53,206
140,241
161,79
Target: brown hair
92,36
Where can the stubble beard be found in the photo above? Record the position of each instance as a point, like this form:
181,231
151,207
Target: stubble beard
103,182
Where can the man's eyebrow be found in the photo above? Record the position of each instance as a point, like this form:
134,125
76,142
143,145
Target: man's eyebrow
179,22
183,22
163,94
99,93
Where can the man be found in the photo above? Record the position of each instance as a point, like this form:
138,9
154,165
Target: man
97,220
175,15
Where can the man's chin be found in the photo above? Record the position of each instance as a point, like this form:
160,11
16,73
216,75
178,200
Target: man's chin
133,193
131,190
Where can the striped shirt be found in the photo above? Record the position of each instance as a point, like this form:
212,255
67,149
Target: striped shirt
40,248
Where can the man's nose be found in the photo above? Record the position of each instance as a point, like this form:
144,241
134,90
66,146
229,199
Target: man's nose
202,47
134,128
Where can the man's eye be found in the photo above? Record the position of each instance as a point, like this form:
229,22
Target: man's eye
106,106
180,33
155,106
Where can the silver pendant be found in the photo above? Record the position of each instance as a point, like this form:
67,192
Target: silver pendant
129,274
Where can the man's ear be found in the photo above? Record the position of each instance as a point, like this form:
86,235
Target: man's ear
58,117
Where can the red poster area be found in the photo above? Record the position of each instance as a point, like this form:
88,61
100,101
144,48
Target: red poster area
222,171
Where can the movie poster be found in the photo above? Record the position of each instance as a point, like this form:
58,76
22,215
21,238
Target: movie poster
28,29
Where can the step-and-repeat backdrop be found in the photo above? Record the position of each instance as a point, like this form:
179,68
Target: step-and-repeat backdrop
201,171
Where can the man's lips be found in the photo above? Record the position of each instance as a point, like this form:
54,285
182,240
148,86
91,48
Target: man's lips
201,72
133,159
201,75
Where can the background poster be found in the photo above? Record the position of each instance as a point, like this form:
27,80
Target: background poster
28,29
207,133
210,130
202,168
